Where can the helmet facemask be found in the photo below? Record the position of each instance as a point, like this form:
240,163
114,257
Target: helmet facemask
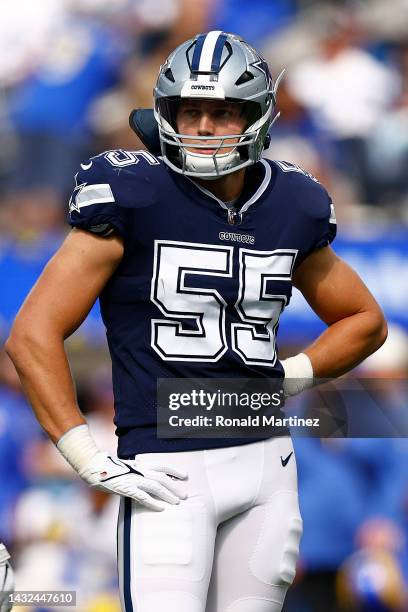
231,151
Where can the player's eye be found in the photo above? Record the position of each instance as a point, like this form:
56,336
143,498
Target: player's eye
223,113
190,113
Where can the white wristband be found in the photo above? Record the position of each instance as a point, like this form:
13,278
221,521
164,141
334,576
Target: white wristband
298,374
4,554
78,447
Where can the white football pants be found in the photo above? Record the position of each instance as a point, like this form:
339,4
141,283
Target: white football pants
231,546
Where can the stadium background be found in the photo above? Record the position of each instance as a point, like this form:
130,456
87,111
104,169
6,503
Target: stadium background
70,71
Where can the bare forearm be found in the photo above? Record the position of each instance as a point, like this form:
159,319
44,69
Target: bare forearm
344,344
47,382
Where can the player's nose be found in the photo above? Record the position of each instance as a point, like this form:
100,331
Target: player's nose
206,125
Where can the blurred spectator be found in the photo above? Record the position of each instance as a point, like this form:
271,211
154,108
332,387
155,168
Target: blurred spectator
24,29
342,484
295,137
384,21
48,107
162,26
387,157
183,19
74,534
253,21
371,580
352,492
347,91
33,225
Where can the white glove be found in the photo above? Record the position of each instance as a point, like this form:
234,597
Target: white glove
127,478
6,580
123,477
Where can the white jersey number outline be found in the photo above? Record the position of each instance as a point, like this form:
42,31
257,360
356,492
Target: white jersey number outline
253,339
120,158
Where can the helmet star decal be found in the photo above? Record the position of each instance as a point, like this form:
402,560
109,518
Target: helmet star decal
263,67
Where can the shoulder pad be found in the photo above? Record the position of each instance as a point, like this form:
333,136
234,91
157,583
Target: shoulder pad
92,205
311,204
304,190
142,121
95,203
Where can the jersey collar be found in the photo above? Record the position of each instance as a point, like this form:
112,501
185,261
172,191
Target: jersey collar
255,196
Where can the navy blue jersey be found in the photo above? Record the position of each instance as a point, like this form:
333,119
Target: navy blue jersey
194,295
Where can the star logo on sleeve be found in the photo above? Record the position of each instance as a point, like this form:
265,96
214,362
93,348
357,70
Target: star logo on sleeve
73,199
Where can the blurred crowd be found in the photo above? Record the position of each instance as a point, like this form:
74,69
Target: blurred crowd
70,72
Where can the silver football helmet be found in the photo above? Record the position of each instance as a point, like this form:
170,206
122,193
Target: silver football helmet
215,66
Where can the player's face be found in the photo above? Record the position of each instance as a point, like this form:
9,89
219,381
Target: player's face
210,118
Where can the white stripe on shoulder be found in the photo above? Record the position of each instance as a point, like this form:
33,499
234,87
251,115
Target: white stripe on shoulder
332,214
208,50
94,194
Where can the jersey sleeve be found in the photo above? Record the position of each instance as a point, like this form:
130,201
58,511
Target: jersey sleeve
93,205
314,212
327,225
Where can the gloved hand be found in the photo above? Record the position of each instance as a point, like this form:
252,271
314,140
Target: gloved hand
129,478
124,477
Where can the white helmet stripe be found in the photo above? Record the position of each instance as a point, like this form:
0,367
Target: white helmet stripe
207,51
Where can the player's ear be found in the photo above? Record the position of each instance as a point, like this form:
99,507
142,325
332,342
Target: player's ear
144,124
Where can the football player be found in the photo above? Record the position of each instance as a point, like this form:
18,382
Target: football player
193,254
6,579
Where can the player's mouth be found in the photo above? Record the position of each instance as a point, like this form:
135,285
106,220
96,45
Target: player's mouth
206,151
206,148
